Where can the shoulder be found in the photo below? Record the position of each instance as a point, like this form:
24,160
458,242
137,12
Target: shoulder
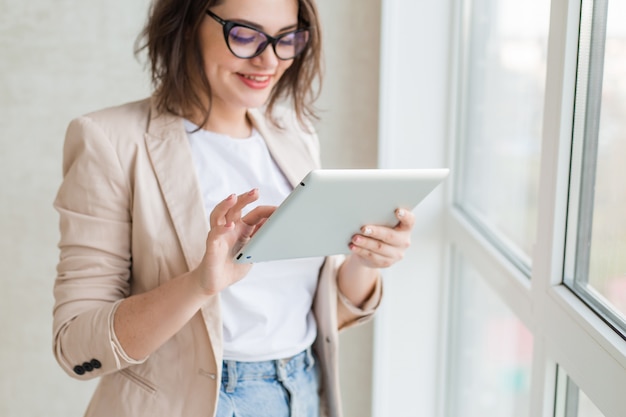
118,127
114,133
126,119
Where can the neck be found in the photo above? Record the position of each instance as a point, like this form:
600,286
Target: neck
234,123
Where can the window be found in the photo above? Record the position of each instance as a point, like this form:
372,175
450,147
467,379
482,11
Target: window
539,193
491,351
531,243
501,105
571,401
596,247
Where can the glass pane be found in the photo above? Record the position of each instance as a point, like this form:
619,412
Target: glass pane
607,263
491,353
501,120
572,401
586,408
598,190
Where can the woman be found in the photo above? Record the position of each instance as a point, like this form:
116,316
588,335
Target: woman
157,195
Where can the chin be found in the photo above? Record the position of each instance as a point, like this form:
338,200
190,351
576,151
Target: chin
254,102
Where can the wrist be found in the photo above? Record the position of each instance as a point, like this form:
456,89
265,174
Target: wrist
356,281
354,266
194,287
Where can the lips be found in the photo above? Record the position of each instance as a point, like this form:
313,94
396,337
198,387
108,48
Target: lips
255,81
257,78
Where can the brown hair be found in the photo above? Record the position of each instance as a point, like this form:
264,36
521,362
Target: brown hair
170,37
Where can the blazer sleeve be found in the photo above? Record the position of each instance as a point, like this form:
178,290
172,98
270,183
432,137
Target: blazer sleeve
94,267
348,314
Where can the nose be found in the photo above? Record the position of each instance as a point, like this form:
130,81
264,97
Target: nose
267,58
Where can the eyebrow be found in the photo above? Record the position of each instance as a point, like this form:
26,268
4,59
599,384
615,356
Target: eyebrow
260,27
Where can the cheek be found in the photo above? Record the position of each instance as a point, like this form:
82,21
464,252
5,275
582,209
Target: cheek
215,53
218,64
283,66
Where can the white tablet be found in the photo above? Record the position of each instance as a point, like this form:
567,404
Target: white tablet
320,216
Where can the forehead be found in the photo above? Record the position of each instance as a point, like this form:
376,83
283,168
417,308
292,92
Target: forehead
269,15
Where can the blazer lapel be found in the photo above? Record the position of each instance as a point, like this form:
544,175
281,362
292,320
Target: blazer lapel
172,161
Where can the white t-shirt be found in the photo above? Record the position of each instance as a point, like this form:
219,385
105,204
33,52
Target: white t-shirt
267,315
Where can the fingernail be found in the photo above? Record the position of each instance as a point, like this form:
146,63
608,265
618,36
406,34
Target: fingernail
401,213
252,191
230,197
367,231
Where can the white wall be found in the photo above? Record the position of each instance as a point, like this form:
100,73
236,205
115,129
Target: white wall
58,60
415,74
349,101
64,58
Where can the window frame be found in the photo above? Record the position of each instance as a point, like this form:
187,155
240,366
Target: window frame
594,15
566,332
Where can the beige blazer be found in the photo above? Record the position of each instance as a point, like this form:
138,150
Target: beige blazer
131,218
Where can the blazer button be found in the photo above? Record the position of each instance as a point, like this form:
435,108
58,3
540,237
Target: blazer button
79,370
87,367
96,364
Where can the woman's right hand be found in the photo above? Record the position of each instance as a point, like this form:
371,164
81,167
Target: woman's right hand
229,232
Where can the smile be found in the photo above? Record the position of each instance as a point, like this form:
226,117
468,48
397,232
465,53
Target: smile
257,78
257,82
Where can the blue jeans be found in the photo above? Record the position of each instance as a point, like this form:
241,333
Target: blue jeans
276,388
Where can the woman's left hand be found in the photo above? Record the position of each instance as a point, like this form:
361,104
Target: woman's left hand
382,246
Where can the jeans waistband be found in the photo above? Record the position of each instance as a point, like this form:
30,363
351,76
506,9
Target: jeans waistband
233,371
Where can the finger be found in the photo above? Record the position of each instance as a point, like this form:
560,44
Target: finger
254,220
406,219
374,246
389,235
258,214
372,259
218,215
234,213
257,227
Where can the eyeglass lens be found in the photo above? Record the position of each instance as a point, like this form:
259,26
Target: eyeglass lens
246,42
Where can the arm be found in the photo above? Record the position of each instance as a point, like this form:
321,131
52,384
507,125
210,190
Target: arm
95,320
144,322
94,267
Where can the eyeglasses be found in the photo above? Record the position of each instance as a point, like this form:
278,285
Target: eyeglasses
247,42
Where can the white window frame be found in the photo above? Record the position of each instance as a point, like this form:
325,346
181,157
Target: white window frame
417,130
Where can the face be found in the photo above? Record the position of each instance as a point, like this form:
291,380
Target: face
238,84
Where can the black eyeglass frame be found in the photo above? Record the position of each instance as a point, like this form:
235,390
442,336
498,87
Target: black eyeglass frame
228,25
